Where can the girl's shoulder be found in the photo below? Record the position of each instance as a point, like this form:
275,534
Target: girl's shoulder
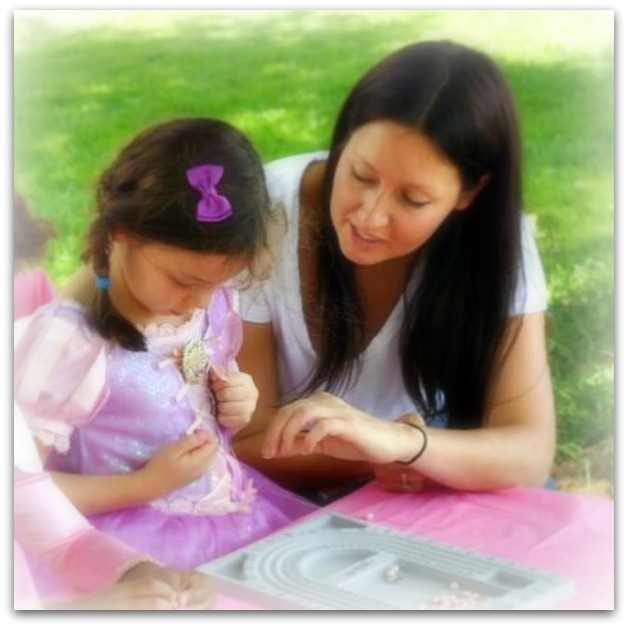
71,312
224,304
59,370
54,324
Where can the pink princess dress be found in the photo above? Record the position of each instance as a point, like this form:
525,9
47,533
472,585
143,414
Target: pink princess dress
107,410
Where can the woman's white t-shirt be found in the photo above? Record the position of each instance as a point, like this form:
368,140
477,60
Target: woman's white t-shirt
378,389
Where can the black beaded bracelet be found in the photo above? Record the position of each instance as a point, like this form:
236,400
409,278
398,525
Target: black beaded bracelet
420,452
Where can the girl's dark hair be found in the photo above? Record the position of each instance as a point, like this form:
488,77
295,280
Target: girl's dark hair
455,319
146,193
30,234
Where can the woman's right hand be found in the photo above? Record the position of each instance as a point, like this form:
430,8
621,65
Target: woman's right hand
177,464
325,424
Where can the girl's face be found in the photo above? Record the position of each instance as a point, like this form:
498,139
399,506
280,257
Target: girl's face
153,281
392,190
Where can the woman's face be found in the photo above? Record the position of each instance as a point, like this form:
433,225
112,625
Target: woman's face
154,281
392,190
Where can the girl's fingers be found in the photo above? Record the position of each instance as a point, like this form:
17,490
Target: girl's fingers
206,450
225,394
198,594
217,373
235,392
234,409
140,594
234,421
189,443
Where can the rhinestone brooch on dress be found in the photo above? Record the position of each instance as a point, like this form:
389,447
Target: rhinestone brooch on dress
194,362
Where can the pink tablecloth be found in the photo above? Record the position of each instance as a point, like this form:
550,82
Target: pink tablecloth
565,533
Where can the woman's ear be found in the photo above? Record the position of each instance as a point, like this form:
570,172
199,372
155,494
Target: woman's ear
466,198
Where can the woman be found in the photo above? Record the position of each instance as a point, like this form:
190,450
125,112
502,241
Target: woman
408,296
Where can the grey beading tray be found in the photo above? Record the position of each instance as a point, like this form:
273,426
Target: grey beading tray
334,562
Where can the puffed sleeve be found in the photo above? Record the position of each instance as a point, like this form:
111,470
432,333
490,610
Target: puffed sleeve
59,373
225,314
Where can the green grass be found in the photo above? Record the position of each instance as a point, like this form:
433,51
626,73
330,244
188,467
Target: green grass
83,90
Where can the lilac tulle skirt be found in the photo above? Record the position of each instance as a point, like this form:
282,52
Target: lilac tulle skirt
183,541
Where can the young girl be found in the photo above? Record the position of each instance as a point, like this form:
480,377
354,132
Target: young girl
131,386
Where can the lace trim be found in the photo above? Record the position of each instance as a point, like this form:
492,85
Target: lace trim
242,503
161,330
48,438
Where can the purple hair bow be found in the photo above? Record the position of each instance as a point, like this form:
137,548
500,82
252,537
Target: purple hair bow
213,207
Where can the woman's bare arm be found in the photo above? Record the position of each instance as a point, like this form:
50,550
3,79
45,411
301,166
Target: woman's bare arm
515,445
258,359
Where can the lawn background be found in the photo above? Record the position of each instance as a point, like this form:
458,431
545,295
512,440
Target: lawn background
86,82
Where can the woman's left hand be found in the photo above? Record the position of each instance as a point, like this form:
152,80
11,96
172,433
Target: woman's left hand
400,478
327,425
236,397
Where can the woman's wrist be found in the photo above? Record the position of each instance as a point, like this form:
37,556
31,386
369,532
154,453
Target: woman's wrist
415,442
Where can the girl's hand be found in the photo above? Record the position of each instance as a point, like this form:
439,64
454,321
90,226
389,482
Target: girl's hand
145,594
195,591
149,586
327,425
192,590
177,464
236,397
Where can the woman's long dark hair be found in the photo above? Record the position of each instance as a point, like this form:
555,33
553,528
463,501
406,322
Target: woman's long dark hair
145,192
454,321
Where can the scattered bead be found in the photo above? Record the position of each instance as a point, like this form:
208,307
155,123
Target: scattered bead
462,601
392,574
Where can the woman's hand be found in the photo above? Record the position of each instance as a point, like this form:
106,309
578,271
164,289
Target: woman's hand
236,397
397,478
400,478
177,464
327,425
